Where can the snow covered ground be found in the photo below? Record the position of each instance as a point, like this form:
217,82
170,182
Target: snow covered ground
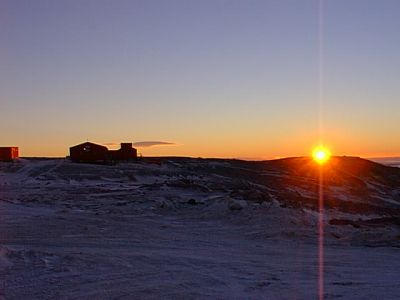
390,161
194,229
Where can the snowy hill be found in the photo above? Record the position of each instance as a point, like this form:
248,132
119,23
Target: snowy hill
185,228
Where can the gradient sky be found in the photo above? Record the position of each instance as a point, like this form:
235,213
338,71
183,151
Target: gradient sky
220,78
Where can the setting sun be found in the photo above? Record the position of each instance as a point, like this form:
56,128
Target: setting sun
321,154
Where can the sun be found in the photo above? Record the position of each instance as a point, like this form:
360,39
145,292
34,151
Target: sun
321,154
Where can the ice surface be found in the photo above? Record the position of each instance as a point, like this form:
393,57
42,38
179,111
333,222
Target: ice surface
190,229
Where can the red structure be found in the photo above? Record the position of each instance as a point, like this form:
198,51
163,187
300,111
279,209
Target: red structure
8,153
94,153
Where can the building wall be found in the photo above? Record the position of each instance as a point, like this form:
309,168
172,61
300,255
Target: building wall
15,152
126,152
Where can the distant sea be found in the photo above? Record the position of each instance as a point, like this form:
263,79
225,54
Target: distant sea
389,161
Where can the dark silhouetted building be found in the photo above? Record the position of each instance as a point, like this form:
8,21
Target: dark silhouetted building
94,153
126,152
88,152
8,153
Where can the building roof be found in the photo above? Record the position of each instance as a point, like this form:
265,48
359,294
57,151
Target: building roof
89,144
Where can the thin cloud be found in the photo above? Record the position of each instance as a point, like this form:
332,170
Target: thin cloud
110,144
145,144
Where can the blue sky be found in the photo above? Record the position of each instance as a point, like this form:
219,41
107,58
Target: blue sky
218,78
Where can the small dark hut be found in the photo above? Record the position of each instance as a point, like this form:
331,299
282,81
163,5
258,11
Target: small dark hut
126,152
8,153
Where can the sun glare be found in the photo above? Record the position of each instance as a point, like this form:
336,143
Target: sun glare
321,155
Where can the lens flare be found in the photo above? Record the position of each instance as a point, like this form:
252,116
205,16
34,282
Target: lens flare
321,154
